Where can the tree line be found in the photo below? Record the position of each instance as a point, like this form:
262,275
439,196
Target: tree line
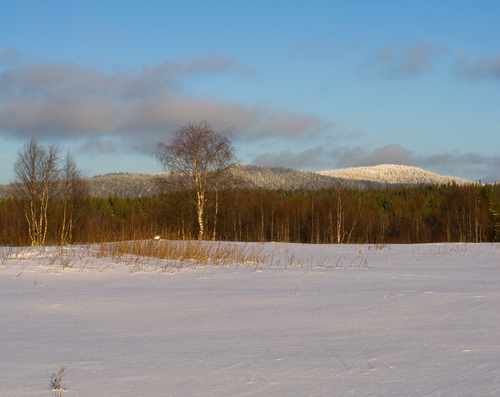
424,214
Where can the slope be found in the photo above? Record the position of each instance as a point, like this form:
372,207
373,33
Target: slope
393,174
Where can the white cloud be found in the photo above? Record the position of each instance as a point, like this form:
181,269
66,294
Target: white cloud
62,100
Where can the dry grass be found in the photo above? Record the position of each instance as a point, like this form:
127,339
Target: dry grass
57,385
171,256
261,377
139,255
367,339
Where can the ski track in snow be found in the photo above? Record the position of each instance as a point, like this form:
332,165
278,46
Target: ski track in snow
361,320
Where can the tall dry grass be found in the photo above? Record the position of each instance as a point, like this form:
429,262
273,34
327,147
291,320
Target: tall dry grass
140,255
171,256
174,255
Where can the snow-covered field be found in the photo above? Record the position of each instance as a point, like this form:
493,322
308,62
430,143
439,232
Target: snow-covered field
317,320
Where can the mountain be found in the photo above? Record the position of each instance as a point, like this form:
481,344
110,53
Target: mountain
266,177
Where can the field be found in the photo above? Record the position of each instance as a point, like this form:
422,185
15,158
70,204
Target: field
253,320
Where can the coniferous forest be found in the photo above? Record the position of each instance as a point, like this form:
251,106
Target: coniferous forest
422,214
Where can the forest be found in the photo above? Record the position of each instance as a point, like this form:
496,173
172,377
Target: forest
336,215
50,203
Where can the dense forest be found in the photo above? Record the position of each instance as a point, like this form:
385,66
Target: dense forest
421,214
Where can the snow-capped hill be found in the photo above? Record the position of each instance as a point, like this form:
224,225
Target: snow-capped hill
393,174
267,177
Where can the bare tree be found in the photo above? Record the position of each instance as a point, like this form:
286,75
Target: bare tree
73,190
37,173
199,160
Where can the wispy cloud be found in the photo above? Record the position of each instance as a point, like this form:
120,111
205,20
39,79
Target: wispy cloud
139,106
396,154
98,147
403,63
312,158
10,56
68,81
389,154
485,67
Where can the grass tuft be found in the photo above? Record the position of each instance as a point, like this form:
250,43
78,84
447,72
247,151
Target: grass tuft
56,383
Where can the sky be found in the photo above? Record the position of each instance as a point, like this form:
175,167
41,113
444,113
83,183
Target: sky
312,85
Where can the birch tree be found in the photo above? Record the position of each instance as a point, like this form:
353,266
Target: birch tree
36,178
73,190
199,159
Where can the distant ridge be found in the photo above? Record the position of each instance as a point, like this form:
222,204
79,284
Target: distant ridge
266,177
393,174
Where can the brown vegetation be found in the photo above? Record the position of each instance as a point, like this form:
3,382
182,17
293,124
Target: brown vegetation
446,213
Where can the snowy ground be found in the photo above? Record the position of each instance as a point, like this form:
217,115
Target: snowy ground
399,320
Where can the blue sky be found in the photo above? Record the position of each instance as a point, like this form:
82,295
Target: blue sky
313,85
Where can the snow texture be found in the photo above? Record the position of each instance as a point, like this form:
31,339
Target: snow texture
393,174
316,320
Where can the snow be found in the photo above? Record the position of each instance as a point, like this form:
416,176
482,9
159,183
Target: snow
317,320
393,174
